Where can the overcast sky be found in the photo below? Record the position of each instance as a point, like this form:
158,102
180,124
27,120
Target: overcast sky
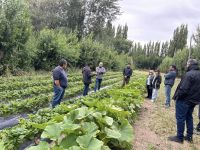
156,19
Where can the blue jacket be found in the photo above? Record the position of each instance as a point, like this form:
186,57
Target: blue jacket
170,78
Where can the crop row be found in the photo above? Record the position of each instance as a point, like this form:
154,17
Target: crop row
101,121
39,81
34,103
36,90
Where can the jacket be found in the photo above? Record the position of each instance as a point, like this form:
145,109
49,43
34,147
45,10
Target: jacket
100,71
150,77
156,82
127,72
189,87
87,75
170,78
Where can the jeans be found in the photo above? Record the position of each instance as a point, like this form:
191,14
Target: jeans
97,85
184,115
86,89
168,94
155,94
58,95
149,91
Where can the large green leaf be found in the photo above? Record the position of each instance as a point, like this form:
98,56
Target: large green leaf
69,127
69,141
109,120
126,131
90,128
52,131
89,143
41,146
112,133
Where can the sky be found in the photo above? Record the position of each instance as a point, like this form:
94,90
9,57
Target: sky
156,20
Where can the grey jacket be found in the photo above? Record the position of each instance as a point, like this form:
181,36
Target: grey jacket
170,78
100,71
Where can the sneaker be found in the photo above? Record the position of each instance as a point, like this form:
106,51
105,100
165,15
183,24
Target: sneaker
188,139
175,139
167,106
152,100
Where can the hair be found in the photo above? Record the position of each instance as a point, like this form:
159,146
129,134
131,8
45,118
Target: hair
62,62
158,70
174,66
192,62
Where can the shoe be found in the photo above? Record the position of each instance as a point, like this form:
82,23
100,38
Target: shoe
175,139
167,106
188,139
152,101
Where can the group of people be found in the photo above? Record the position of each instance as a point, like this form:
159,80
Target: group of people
60,80
186,97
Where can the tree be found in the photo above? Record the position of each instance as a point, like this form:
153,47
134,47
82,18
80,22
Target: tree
15,30
179,40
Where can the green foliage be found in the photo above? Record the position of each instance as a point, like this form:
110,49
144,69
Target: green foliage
167,61
15,30
54,45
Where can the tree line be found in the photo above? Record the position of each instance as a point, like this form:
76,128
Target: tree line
35,34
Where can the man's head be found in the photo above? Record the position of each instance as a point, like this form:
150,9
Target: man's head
100,64
192,62
129,65
157,71
172,68
150,72
63,63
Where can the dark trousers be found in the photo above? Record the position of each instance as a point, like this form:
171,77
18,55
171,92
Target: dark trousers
97,84
149,91
184,112
58,95
86,89
125,81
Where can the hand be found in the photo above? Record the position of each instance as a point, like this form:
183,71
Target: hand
125,76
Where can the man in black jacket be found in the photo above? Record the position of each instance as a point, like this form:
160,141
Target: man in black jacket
127,73
187,95
87,78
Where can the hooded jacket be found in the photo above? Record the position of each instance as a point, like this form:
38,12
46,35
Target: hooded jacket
189,87
87,75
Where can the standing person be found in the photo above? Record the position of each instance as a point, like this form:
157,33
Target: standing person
100,70
149,84
156,85
198,126
127,73
169,82
87,78
187,96
60,82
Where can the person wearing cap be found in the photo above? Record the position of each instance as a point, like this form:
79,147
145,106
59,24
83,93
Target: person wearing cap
186,97
127,73
149,82
169,82
87,78
100,70
59,82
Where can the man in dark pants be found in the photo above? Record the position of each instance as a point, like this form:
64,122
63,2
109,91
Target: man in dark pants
87,78
127,73
187,96
149,84
60,82
169,82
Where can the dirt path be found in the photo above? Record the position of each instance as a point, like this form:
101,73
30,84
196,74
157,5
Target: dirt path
154,125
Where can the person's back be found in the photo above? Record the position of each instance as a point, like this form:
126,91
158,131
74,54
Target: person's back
188,89
87,78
